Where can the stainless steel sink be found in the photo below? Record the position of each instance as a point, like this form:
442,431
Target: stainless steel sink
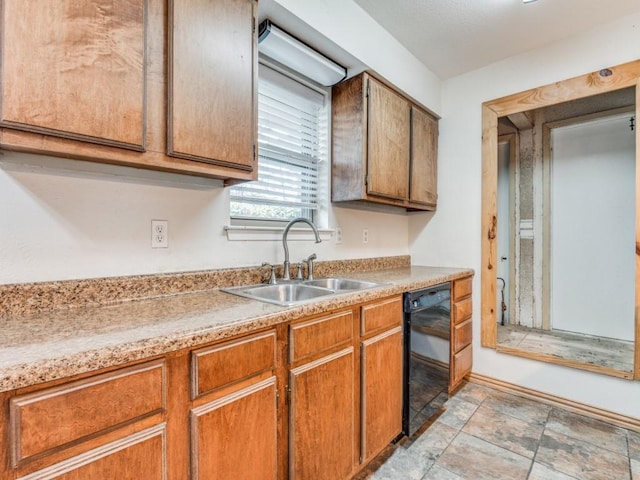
337,283
300,291
281,294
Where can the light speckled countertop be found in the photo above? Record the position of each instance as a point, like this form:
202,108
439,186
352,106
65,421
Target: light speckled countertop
44,346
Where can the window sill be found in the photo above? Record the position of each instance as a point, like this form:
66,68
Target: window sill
238,233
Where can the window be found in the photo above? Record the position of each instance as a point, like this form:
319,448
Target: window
292,148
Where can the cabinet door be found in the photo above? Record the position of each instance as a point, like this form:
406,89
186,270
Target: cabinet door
75,69
140,456
235,436
388,142
321,418
212,79
381,391
424,156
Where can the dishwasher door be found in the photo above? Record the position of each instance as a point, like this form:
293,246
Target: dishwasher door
427,330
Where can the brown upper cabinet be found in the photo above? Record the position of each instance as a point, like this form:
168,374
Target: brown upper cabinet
384,146
145,83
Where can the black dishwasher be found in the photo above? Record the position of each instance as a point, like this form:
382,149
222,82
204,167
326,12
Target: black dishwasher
427,332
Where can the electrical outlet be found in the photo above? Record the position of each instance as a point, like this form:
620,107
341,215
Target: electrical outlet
159,234
365,235
338,235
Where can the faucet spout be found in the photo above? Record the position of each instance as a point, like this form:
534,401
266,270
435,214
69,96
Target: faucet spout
287,264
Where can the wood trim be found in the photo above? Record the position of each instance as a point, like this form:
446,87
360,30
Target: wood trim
620,420
606,80
566,362
620,76
489,225
96,454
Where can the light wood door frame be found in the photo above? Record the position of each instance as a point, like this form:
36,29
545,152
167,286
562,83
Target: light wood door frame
603,81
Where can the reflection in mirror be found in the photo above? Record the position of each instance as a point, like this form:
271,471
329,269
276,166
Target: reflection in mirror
566,232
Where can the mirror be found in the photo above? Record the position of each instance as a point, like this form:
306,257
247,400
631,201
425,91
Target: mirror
559,279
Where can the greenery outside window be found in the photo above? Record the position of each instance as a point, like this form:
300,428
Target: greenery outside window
292,148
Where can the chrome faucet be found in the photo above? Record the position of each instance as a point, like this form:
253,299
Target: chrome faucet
287,264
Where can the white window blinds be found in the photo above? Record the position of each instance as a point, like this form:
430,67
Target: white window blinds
292,141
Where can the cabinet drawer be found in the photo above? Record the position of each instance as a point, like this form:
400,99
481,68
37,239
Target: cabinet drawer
462,310
378,316
319,335
462,362
230,362
461,335
66,414
462,288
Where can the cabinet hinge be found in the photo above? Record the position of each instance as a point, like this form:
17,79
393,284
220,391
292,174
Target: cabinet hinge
366,180
367,90
287,390
253,24
277,400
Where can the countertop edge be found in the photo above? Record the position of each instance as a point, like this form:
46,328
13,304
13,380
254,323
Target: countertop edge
45,370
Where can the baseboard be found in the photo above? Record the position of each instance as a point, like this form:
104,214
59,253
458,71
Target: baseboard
624,421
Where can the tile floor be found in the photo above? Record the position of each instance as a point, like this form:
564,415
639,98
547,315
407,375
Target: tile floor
488,434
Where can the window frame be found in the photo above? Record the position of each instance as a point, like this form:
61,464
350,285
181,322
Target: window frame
319,215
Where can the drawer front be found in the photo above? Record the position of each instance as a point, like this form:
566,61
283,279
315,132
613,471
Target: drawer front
231,362
462,288
381,315
462,362
67,414
461,335
114,460
462,310
320,335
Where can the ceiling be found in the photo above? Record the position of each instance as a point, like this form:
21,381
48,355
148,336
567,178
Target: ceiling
452,37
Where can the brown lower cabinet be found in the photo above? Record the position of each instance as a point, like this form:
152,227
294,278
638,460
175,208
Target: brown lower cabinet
461,354
314,399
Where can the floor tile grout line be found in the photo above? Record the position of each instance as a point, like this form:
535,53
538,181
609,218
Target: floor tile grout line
455,436
582,439
629,455
535,454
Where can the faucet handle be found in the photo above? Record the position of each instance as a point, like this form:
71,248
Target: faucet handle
272,276
300,275
309,261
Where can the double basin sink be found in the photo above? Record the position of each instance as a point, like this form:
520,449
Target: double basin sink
295,292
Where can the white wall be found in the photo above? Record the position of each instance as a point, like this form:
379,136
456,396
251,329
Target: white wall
452,235
63,219
593,228
347,25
